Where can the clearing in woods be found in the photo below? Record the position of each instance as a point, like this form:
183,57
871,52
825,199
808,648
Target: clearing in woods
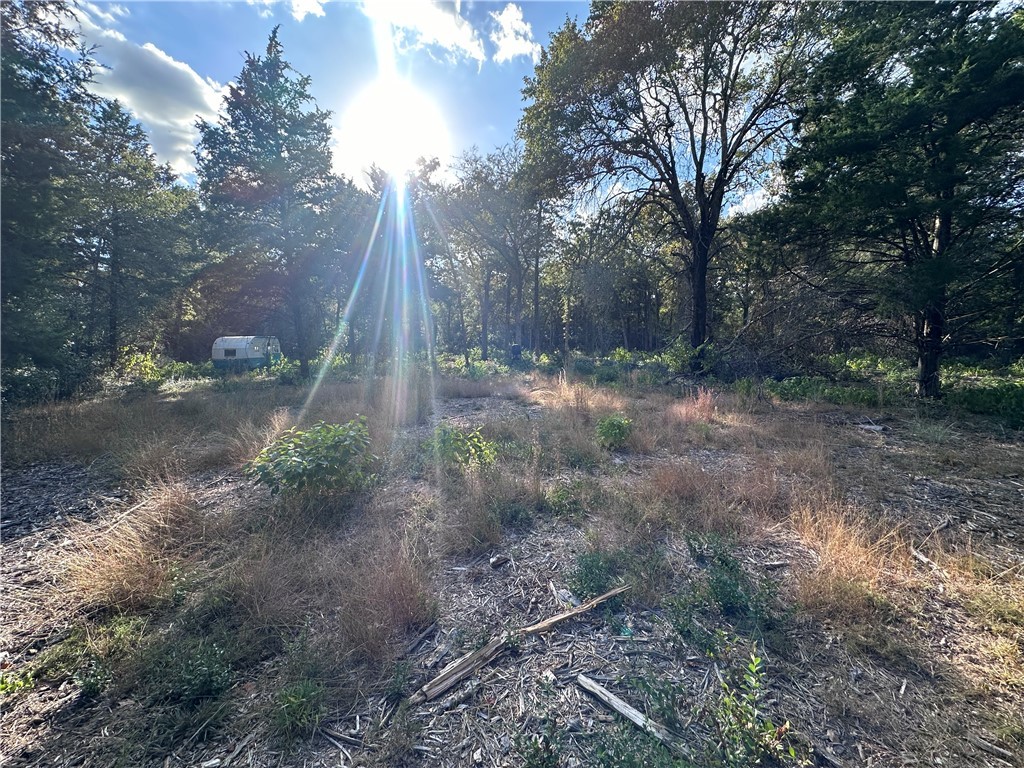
806,582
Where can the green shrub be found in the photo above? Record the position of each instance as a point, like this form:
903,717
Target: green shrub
566,501
584,366
594,574
187,371
11,684
1003,400
287,372
680,357
541,750
326,458
626,747
816,388
721,589
741,735
453,447
613,431
188,671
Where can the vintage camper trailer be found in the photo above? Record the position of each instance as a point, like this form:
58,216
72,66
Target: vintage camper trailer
245,353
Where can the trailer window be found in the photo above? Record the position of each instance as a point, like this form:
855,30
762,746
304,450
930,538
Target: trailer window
229,353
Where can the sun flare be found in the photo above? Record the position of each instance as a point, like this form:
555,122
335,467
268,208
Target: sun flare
392,124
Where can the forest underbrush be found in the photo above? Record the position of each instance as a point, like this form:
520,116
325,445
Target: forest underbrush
241,572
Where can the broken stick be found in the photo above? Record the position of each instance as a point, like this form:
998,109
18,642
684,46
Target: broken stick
635,716
464,666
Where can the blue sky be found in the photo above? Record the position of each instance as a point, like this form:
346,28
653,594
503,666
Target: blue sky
431,78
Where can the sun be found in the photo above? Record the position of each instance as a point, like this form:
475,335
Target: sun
392,124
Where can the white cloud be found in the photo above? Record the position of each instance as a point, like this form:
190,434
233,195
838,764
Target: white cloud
300,8
514,37
303,8
752,201
424,24
108,14
265,7
164,94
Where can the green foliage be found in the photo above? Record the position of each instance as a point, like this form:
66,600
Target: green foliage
12,684
934,150
742,736
198,670
287,372
816,388
540,751
594,574
584,366
401,676
323,459
1003,400
738,734
566,501
453,447
299,708
514,511
613,431
682,357
721,589
626,747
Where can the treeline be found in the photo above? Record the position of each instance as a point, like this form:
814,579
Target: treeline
756,186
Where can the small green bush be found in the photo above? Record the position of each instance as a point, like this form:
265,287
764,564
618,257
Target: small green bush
721,589
817,388
566,501
188,672
287,372
326,458
453,447
613,431
584,366
742,735
594,574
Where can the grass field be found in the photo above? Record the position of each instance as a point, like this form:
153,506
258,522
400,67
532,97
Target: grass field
839,584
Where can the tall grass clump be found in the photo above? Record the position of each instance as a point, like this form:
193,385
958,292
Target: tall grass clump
132,563
856,562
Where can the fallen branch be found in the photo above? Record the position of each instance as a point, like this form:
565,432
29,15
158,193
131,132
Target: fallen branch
544,626
464,666
992,749
923,558
635,716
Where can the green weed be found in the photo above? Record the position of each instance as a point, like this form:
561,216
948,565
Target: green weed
454,448
299,708
613,431
594,574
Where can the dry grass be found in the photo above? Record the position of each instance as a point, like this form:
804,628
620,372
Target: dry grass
385,591
855,561
131,564
478,505
671,424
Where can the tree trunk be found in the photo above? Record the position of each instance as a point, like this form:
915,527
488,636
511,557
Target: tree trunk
931,327
517,334
485,311
113,306
699,292
300,337
536,285
931,324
